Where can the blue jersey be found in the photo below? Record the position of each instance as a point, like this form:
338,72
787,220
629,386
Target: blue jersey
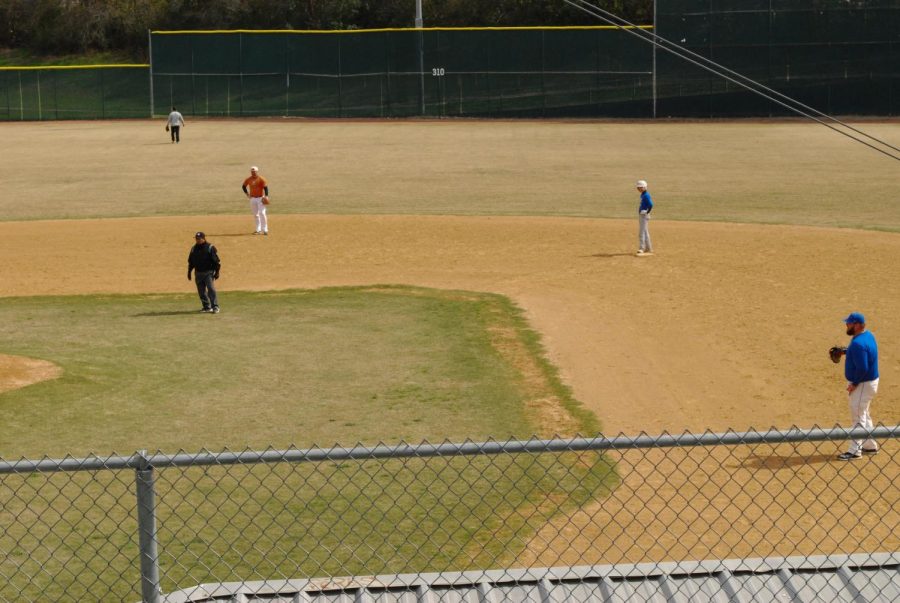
646,202
862,359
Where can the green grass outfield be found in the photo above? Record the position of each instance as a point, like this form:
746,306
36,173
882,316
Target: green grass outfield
785,172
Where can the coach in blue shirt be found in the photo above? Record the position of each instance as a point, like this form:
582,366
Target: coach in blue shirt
861,371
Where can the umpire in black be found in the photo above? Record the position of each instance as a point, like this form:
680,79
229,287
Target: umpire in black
204,261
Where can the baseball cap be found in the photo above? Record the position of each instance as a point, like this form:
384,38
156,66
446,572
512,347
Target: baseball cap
253,168
855,317
641,183
199,235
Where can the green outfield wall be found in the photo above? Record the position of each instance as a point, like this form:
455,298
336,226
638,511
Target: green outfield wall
74,92
575,71
841,57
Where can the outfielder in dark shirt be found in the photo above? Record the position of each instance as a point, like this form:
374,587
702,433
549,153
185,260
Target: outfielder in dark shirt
204,261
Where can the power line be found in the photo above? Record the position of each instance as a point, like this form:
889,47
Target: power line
741,80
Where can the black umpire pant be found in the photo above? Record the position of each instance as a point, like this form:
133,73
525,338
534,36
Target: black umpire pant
206,289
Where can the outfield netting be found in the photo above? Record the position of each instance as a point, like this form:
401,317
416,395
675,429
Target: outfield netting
840,56
462,72
78,92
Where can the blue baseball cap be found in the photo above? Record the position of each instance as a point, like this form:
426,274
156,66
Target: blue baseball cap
855,317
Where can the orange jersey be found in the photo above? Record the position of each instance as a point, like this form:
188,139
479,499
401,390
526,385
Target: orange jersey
257,185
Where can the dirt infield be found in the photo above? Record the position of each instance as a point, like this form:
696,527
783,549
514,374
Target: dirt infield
727,326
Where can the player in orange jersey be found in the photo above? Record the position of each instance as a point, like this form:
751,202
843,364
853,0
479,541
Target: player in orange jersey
257,190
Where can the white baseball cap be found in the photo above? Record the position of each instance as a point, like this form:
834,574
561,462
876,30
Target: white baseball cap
641,184
253,168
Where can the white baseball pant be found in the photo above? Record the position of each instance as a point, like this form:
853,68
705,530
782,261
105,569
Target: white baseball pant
644,232
860,399
259,212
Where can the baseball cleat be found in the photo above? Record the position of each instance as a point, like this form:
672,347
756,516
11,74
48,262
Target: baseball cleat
215,310
205,310
848,456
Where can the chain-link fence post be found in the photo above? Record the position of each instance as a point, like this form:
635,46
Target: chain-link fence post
146,512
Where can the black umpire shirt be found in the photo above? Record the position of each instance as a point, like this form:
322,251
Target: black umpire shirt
204,258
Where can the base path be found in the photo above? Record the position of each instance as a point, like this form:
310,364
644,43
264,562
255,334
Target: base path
726,326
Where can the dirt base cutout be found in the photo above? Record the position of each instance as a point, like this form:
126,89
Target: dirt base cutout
18,371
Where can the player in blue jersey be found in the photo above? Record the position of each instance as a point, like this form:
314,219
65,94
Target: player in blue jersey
644,210
861,371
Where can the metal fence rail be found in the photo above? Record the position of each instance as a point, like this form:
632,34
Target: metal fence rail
134,527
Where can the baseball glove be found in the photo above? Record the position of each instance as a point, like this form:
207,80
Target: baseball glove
167,128
265,200
835,353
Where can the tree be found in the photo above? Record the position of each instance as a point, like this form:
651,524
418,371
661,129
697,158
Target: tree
78,26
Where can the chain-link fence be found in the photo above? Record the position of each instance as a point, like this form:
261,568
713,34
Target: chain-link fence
620,516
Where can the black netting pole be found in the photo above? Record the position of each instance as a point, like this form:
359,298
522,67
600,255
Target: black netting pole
543,70
287,75
150,55
193,87
769,18
40,104
102,95
387,77
340,82
653,68
241,74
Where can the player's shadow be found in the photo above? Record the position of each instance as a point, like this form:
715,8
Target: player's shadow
774,462
607,255
169,313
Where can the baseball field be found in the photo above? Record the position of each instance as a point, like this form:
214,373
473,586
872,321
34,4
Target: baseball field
767,234
432,280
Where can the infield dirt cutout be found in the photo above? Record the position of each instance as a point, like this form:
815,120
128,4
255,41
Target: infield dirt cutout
725,327
19,371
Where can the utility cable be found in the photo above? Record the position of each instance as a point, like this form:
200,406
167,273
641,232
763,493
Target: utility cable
660,41
722,71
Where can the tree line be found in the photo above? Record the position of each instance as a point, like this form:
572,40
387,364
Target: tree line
83,26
